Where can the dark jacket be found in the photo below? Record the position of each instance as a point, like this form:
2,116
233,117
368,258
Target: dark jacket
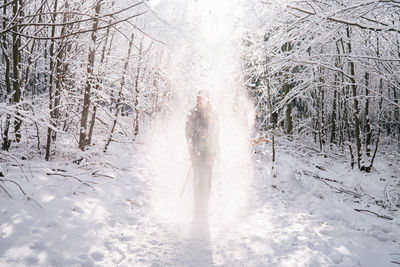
202,133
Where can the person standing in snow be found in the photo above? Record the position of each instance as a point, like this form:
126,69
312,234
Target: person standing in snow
202,138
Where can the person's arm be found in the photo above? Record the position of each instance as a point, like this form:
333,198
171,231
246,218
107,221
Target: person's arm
189,133
216,139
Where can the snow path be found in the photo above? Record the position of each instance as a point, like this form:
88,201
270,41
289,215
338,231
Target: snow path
113,225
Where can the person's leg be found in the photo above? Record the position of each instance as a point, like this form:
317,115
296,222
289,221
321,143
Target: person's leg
204,186
207,171
197,186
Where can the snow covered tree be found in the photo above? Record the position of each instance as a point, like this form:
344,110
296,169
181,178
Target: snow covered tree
338,67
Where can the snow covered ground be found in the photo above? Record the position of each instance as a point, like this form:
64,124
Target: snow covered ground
305,216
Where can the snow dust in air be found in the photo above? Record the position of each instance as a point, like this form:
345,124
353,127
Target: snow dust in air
204,36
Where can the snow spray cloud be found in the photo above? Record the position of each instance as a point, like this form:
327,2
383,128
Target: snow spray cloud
204,37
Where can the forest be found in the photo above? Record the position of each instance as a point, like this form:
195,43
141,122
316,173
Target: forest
94,99
335,78
71,68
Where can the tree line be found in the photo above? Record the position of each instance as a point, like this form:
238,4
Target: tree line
72,70
327,69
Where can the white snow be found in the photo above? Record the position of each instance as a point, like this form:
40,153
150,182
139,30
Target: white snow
292,219
124,208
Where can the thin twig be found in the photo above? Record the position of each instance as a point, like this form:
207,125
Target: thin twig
66,175
378,215
19,164
5,191
104,175
11,181
319,177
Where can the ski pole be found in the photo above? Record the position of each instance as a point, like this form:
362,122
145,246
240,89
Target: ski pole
187,179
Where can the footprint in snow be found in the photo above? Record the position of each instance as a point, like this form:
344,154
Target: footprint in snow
97,256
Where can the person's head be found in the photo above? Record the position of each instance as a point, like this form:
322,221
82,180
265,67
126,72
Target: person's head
202,98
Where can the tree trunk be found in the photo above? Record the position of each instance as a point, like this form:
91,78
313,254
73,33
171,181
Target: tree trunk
27,72
136,131
51,84
16,65
334,111
367,122
346,118
89,80
274,119
322,103
355,101
288,113
317,118
118,103
318,121
286,88
397,115
397,102
4,45
368,168
339,85
94,110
